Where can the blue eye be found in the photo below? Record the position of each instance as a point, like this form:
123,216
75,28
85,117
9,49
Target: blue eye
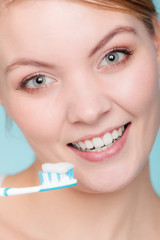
38,81
115,56
112,58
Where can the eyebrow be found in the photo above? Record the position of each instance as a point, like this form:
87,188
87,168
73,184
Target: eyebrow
110,35
28,62
101,43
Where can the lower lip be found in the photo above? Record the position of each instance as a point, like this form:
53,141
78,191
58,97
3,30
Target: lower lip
108,153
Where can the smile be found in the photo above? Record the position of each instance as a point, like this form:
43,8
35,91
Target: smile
98,149
99,144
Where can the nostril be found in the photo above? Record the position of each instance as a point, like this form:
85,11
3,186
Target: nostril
89,113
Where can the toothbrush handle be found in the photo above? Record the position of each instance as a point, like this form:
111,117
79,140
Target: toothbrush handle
18,191
4,192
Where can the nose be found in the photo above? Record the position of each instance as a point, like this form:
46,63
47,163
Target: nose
88,102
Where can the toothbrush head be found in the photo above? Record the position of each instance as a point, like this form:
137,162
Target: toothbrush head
56,176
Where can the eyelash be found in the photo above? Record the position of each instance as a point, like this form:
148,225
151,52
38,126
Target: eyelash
124,50
116,49
23,83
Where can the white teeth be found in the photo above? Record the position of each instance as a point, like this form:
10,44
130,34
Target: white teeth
81,144
120,132
107,138
100,144
97,142
109,145
88,144
93,150
115,134
77,145
99,150
104,148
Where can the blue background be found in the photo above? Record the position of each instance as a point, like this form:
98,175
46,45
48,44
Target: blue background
16,155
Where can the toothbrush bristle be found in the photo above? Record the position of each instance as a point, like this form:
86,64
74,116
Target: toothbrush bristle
55,178
41,177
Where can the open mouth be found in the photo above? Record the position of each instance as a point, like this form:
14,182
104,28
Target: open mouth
100,144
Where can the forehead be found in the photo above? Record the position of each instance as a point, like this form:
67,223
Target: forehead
40,13
37,27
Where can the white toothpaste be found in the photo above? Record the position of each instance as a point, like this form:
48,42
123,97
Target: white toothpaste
61,167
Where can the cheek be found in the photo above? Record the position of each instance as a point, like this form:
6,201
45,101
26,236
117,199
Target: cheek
139,93
141,99
39,119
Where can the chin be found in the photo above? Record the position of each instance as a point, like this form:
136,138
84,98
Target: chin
99,188
110,182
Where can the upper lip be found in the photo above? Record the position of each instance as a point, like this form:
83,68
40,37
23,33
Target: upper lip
98,134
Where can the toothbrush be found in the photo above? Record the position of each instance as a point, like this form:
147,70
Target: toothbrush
53,176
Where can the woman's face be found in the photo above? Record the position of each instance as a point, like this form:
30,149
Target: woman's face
70,73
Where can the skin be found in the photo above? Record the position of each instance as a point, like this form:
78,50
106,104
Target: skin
82,98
